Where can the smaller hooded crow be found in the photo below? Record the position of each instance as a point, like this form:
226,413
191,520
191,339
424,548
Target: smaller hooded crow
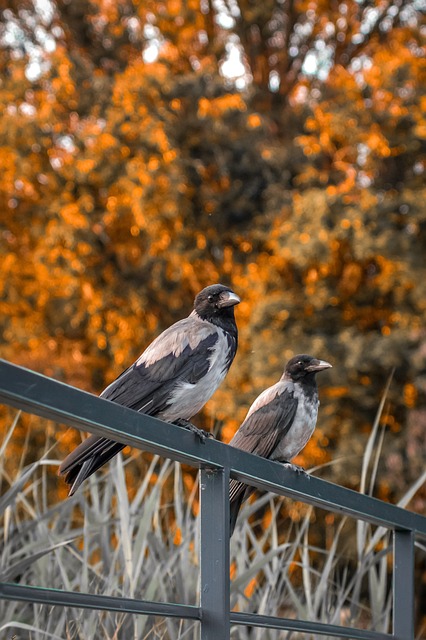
172,379
280,421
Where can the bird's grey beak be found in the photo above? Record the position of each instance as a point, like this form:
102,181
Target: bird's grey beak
228,299
318,365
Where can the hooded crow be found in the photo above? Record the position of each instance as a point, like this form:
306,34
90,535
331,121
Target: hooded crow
172,379
280,421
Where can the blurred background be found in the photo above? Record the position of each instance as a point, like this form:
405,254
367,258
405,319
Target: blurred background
149,148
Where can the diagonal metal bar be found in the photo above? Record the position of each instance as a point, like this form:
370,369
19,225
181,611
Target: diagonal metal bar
41,595
42,396
403,585
214,591
304,626
48,398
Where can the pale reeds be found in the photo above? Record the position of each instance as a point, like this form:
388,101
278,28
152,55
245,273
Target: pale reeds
103,541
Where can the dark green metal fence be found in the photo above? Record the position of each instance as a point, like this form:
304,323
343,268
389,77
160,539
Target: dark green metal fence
217,462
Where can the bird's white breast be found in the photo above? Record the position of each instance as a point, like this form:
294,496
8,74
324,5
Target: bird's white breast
187,398
302,428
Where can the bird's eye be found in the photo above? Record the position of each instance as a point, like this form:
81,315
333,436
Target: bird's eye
300,362
210,298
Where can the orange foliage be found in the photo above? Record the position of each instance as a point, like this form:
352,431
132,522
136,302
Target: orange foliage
127,186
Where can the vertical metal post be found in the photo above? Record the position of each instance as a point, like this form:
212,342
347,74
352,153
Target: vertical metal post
214,552
403,585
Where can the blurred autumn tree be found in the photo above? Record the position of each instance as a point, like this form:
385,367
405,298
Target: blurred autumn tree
148,148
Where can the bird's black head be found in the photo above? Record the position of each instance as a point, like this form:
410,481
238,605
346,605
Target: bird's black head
304,367
216,303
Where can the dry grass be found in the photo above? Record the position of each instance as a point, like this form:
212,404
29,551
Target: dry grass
102,541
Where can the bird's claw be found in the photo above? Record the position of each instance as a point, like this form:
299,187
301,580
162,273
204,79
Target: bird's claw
208,434
201,433
296,468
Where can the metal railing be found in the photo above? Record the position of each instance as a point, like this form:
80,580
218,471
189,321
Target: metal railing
217,462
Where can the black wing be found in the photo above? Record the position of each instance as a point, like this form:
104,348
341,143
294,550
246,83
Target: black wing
268,421
181,353
89,456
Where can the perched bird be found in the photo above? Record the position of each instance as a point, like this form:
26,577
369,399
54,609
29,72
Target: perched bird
172,379
280,421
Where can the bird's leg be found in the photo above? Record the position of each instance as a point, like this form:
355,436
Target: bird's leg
199,432
295,467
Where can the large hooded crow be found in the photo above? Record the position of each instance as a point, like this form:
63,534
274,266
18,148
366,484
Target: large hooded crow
280,421
172,379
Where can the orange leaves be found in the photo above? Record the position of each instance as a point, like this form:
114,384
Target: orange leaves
422,120
62,84
248,591
72,216
230,428
377,142
106,141
177,540
410,395
351,279
310,145
201,241
345,185
85,165
215,108
8,170
254,120
329,134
